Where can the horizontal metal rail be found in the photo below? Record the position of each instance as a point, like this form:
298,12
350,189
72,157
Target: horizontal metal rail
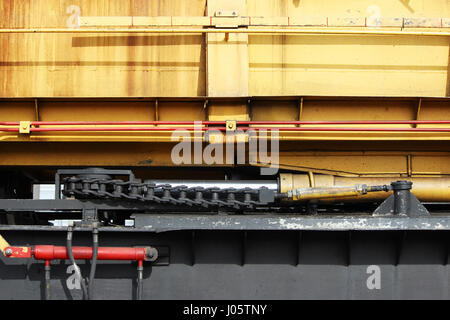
238,122
268,21
80,126
261,30
201,221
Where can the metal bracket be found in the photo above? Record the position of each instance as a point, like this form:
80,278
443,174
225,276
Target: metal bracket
402,202
89,215
231,125
225,13
228,21
89,219
25,127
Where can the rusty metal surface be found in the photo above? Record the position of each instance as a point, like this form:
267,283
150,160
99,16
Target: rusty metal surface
145,65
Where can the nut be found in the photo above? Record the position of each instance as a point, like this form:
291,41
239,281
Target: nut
151,254
8,252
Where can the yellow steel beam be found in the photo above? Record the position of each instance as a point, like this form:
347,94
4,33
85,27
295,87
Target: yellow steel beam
253,30
134,154
259,109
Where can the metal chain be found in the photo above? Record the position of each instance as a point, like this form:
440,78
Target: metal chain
246,198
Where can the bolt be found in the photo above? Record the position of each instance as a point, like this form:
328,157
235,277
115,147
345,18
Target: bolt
152,254
8,252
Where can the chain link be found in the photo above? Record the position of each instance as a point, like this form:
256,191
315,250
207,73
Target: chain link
246,198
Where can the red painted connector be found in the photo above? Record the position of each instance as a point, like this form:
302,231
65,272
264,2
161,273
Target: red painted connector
49,252
18,252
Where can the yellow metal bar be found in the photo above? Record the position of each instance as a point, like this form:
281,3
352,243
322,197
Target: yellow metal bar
419,106
311,179
325,193
409,165
291,31
156,110
36,109
165,136
300,111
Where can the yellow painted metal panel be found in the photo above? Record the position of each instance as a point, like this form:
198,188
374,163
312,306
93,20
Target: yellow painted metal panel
113,65
182,111
349,65
356,110
97,111
345,164
17,111
432,110
147,65
227,56
429,164
275,110
223,111
349,8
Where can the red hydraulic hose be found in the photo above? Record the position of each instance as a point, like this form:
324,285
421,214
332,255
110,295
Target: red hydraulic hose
9,129
49,252
126,129
102,123
104,129
315,122
350,129
339,122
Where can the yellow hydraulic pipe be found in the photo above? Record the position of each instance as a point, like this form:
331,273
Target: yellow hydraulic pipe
327,192
433,189
237,30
